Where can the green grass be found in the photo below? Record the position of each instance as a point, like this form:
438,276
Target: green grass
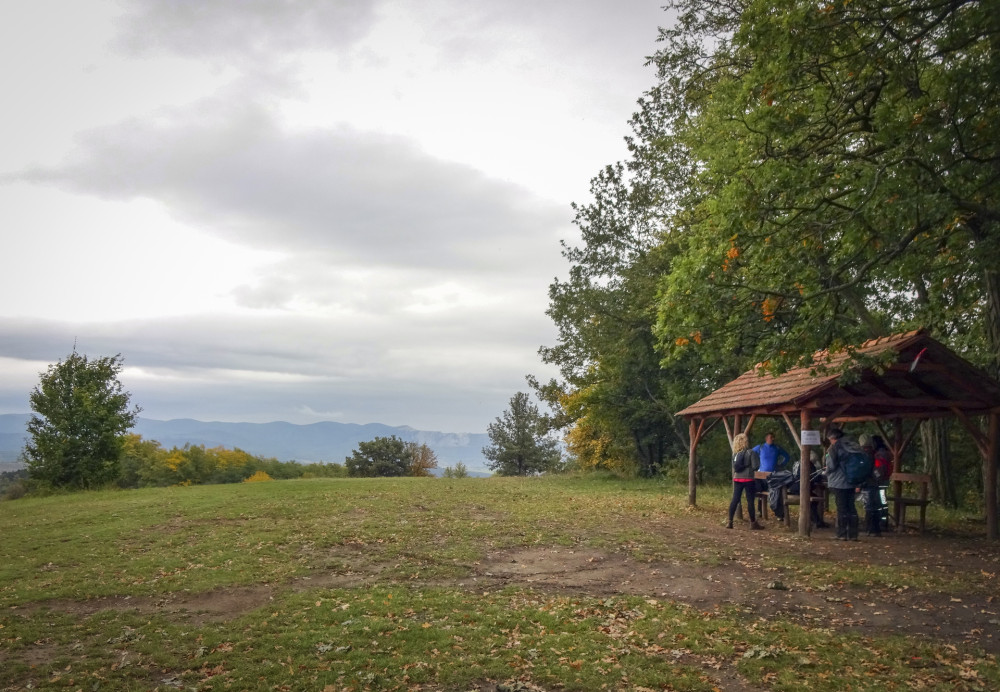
411,615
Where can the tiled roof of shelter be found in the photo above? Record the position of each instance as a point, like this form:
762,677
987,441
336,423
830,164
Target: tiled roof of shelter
925,379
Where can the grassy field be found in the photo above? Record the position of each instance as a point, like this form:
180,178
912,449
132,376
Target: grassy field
332,584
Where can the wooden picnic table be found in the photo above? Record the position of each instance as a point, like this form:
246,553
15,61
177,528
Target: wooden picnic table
901,482
789,498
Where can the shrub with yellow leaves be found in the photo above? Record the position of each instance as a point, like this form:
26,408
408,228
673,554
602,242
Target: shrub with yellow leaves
258,477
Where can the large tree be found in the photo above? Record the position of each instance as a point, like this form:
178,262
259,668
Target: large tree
616,396
847,160
80,421
382,456
846,177
422,459
519,445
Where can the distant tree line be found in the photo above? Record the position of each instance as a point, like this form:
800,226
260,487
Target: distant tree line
78,437
145,463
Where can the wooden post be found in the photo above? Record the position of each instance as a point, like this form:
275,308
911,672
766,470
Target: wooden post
805,496
693,463
990,491
737,429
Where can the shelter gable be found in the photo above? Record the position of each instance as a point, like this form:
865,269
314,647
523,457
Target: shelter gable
925,379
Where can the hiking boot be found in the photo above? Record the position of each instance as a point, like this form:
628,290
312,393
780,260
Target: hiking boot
756,526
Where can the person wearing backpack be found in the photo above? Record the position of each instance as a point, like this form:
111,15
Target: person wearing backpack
842,487
745,464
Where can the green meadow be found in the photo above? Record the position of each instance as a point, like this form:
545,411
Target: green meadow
413,584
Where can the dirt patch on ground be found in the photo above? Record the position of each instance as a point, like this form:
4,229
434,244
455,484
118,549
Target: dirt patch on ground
723,567
718,568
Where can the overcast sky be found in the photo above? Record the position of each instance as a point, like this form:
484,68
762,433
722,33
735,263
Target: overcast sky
303,210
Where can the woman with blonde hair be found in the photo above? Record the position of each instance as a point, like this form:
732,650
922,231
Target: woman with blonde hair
745,464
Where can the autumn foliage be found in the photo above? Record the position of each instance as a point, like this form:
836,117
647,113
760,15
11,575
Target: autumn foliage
146,463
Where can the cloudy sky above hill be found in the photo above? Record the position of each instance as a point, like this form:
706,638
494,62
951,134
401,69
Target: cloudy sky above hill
303,210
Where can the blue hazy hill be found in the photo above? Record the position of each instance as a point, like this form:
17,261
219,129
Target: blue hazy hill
325,441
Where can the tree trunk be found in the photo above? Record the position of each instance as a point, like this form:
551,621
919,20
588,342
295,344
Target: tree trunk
991,283
937,460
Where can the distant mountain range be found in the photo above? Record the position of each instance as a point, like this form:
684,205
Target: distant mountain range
326,442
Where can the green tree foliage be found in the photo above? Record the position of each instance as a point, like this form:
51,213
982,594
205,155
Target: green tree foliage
519,445
459,470
145,463
382,456
616,394
846,161
81,417
422,460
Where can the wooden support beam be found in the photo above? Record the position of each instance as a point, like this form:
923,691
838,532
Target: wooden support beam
893,403
791,427
832,418
805,501
693,433
885,436
982,441
729,431
753,418
899,443
711,425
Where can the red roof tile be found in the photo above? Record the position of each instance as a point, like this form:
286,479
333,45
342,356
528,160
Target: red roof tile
941,380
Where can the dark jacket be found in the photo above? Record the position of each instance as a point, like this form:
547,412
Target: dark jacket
836,478
753,463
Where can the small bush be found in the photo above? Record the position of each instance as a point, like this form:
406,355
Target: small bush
14,491
258,477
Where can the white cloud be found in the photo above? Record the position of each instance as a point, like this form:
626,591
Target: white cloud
279,209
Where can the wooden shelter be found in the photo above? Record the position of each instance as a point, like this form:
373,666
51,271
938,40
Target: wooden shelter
923,380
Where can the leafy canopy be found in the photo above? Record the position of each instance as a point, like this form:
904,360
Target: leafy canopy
391,456
81,417
847,174
519,445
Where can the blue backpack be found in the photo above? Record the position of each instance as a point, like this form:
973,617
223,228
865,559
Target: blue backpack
858,464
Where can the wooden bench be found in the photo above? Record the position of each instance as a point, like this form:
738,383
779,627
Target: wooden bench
761,496
786,498
904,481
821,501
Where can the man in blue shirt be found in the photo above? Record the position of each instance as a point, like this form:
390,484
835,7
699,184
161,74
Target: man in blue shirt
772,457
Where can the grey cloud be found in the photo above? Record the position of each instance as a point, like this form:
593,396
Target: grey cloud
360,346
248,369
357,196
243,27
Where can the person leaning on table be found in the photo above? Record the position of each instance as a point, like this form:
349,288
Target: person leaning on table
744,481
842,489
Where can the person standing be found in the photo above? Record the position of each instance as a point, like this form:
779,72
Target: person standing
772,457
883,473
842,489
745,464
870,492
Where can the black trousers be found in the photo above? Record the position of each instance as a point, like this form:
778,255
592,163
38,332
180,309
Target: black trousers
844,497
738,490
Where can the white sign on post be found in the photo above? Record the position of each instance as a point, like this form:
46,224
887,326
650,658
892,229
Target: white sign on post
810,437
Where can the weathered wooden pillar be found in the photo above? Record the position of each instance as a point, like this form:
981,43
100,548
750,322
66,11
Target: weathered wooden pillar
693,463
805,496
737,429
